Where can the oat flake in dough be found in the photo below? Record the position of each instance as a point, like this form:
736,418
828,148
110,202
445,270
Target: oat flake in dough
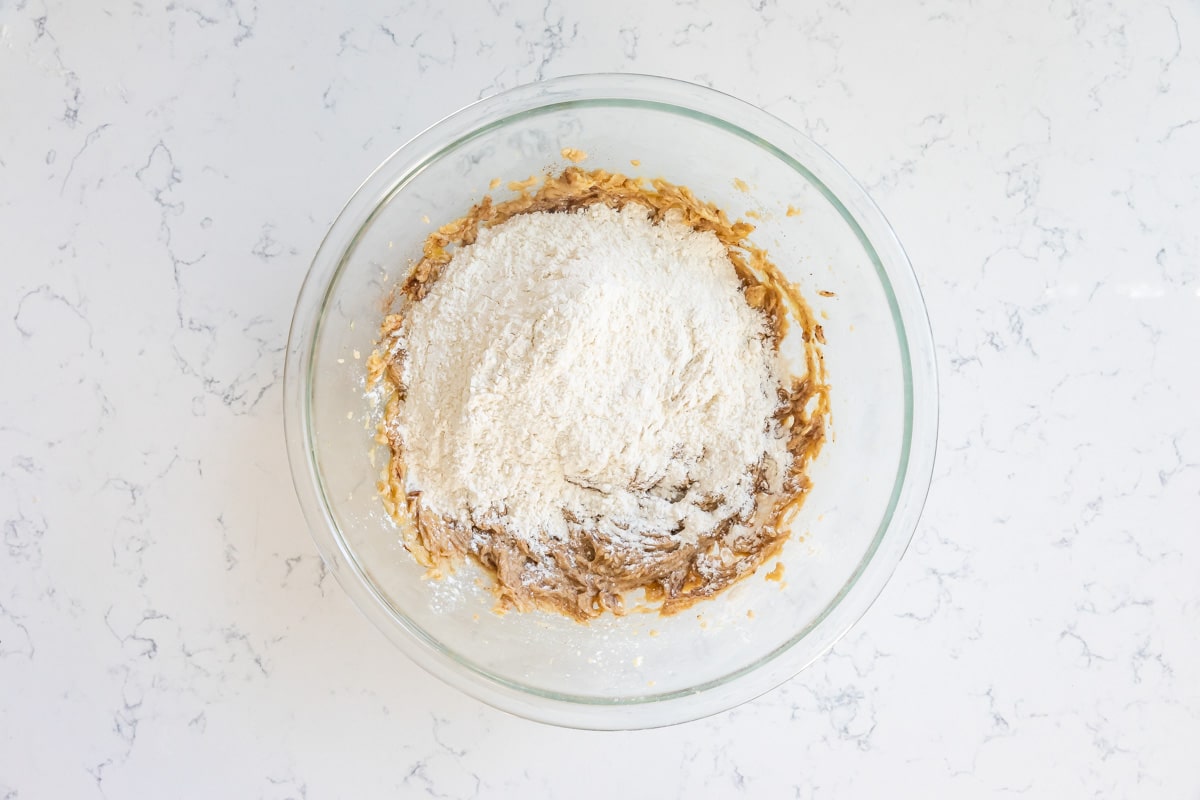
590,365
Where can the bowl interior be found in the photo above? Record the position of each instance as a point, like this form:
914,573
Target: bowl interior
638,657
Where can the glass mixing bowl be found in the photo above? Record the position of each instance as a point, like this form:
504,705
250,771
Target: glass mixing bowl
869,483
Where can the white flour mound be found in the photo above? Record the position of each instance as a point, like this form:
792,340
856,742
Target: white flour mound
591,364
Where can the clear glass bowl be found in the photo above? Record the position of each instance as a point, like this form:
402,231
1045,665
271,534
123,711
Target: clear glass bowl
869,483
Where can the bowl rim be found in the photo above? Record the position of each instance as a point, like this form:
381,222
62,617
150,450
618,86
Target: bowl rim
915,339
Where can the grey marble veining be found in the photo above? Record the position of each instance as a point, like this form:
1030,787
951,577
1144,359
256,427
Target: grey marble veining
166,172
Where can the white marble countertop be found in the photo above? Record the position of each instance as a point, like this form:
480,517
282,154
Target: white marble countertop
166,172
